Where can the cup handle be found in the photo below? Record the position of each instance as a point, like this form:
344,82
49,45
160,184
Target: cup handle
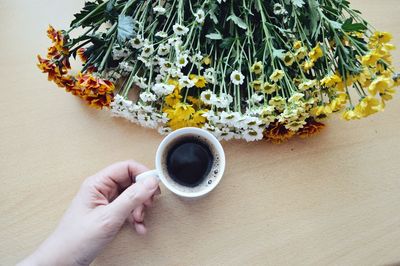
140,178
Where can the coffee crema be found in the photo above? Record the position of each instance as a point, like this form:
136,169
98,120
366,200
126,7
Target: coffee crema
191,163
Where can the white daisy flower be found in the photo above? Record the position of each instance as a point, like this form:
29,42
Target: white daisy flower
159,10
148,97
185,81
209,75
180,29
163,89
208,97
182,60
226,134
175,73
279,10
165,66
119,53
137,42
197,58
223,101
200,16
125,66
230,118
145,61
148,50
255,99
163,49
141,82
160,78
253,134
161,34
295,97
237,77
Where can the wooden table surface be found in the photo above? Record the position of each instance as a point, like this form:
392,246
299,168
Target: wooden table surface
330,200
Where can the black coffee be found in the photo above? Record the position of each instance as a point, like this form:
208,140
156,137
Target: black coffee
189,162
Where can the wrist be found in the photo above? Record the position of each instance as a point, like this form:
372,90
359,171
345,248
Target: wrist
53,251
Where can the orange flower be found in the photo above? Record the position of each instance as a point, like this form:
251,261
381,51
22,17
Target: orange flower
69,83
311,128
277,133
95,91
81,53
54,72
58,39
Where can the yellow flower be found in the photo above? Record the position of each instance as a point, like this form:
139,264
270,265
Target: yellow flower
368,106
370,59
277,75
174,82
357,34
297,45
316,53
306,85
174,98
269,88
278,102
199,81
198,118
387,95
207,61
257,68
301,53
321,110
331,80
288,59
197,103
184,115
380,84
350,115
380,38
307,65
337,103
364,78
256,84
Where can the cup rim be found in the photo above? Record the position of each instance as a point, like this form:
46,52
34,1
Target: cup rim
188,131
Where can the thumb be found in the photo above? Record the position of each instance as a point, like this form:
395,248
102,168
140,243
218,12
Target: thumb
133,197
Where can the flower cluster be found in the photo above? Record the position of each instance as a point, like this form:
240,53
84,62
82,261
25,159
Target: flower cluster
96,92
247,70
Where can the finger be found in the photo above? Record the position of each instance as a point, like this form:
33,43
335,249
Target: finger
149,202
133,197
138,214
140,228
122,173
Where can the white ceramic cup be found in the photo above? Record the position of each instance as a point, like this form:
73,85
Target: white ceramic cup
161,172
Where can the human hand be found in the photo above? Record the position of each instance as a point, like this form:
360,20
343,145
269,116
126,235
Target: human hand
98,211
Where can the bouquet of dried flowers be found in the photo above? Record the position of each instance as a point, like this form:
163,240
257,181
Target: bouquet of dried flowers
250,69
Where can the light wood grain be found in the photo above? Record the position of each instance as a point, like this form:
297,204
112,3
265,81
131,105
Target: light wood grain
330,200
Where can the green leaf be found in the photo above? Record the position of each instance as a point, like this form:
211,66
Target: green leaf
227,43
214,36
213,16
86,10
314,17
336,25
238,21
278,53
126,28
349,26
